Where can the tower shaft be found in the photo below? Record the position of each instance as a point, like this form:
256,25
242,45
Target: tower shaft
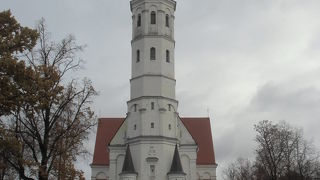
152,106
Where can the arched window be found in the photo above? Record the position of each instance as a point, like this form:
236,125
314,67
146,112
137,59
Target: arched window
139,20
167,20
138,55
167,55
153,17
169,127
169,107
152,125
152,53
152,105
135,127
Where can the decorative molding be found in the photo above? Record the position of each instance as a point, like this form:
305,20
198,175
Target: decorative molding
135,3
151,35
152,97
152,75
152,159
152,139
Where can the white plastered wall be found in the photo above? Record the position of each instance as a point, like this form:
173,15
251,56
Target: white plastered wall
205,172
99,173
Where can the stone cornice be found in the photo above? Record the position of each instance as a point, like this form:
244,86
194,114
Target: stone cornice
152,75
138,37
152,97
152,139
169,2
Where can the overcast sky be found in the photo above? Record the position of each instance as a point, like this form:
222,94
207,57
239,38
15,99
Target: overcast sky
238,61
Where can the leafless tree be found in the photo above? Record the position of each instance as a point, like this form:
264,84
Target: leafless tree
306,158
282,153
242,169
275,147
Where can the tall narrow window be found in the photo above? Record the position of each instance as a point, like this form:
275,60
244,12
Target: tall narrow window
169,107
152,125
152,105
138,55
135,127
139,20
152,53
169,126
167,20
167,55
135,107
152,170
153,17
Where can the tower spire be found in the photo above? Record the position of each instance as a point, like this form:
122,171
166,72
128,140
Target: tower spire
128,167
176,167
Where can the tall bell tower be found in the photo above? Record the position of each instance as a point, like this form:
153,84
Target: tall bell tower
152,142
152,119
152,109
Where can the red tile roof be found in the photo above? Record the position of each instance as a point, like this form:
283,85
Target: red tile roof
199,128
107,128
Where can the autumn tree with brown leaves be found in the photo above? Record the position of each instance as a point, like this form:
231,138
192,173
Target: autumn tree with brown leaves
44,117
14,39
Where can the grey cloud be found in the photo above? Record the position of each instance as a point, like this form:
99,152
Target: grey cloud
244,60
282,98
299,106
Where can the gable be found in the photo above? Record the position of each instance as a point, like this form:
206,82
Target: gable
184,135
199,129
119,136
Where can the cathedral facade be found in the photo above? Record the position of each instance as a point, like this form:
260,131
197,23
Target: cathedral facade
153,142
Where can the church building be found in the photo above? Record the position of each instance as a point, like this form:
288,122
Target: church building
152,142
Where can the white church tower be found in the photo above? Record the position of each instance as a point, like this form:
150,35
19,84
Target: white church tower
152,107
152,119
153,142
